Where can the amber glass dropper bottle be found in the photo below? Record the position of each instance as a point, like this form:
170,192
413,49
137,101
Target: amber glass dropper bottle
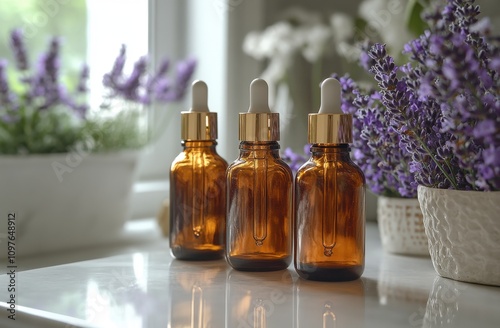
259,211
329,198
198,185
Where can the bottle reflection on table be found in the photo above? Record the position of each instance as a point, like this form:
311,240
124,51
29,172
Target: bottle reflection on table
194,293
258,300
328,305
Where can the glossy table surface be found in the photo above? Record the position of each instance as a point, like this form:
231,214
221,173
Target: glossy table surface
151,289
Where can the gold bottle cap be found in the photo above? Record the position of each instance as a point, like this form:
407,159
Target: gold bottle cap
259,123
330,125
199,123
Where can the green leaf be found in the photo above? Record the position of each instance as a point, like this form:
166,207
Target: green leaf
115,133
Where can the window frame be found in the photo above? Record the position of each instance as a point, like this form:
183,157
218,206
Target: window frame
178,29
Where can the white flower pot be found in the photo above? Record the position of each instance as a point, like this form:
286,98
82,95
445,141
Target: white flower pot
401,226
63,201
463,228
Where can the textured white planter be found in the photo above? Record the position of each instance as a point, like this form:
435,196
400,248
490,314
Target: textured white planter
401,226
63,201
463,228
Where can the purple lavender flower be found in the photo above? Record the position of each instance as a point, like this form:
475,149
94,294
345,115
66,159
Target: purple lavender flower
184,71
376,146
141,88
415,120
45,84
294,160
130,89
52,61
83,79
162,69
161,87
444,107
158,82
19,50
365,61
435,120
7,98
113,78
42,91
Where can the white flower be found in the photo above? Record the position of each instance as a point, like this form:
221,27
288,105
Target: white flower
276,39
275,72
368,9
343,27
387,18
316,38
277,67
348,51
251,45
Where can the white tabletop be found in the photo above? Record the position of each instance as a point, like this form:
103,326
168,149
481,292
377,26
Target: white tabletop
149,288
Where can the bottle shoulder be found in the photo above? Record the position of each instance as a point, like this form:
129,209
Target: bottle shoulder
273,165
188,158
313,169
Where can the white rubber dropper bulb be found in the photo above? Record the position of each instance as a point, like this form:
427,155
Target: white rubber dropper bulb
259,97
331,93
199,102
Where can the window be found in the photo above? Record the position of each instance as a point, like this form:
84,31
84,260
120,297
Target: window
39,20
211,31
109,25
92,31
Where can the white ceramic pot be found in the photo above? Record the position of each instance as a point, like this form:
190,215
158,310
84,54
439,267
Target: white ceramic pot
63,201
463,228
401,226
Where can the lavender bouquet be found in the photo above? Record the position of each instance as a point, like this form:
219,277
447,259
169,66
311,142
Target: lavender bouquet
376,146
434,121
444,104
40,114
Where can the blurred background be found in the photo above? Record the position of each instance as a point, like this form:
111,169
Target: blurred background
293,44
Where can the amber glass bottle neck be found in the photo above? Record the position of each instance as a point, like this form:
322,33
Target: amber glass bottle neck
259,145
198,143
338,150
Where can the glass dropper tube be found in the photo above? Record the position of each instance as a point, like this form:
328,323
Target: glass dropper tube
260,198
330,213
198,206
